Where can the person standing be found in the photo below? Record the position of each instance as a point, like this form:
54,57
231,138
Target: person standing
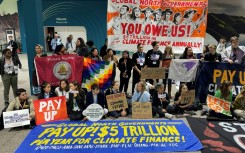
139,62
154,58
48,41
13,46
103,49
125,66
55,42
212,55
9,72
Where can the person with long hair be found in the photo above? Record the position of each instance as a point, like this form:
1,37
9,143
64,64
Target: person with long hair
63,89
225,92
95,54
239,105
168,55
81,48
141,94
111,57
46,91
76,104
60,50
125,66
179,107
188,53
136,13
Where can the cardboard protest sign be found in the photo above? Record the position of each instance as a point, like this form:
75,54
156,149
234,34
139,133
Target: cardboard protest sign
94,112
219,105
50,109
153,73
188,97
141,110
16,118
116,101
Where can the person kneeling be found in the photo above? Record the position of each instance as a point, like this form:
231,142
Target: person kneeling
160,102
239,105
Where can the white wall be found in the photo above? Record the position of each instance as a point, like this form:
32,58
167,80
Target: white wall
76,31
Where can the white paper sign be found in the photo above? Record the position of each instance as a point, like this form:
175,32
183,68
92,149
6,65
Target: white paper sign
94,112
16,118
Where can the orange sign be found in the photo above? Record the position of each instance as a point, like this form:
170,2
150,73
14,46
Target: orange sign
219,105
50,109
178,23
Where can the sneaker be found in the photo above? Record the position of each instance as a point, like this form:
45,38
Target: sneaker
169,116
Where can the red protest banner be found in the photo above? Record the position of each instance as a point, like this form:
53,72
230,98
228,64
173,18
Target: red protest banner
50,109
219,105
54,68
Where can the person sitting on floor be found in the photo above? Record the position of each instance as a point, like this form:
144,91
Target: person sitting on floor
76,104
239,105
114,90
141,95
63,89
160,102
22,101
46,91
225,93
178,107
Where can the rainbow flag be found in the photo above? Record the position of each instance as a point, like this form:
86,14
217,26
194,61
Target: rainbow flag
97,72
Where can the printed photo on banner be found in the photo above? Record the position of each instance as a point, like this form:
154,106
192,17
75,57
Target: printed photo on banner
110,135
219,105
50,109
176,23
116,101
141,110
153,73
16,118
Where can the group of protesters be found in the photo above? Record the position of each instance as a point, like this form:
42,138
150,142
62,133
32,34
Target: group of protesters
149,90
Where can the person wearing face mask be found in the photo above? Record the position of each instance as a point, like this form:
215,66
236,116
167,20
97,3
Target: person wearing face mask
234,53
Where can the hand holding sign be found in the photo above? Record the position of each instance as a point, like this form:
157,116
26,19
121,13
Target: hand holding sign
50,109
188,97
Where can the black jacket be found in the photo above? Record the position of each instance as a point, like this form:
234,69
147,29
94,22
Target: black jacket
51,95
157,103
79,99
100,99
15,60
128,67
